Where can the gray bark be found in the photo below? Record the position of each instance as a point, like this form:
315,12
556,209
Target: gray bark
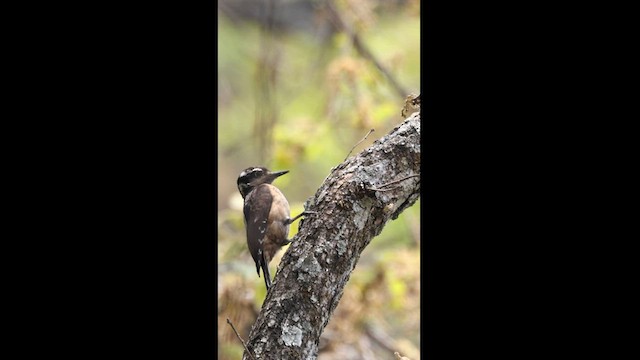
353,205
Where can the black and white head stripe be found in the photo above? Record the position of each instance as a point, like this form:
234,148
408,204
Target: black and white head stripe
250,177
252,173
255,170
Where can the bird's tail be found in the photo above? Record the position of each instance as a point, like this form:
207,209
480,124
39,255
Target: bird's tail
265,271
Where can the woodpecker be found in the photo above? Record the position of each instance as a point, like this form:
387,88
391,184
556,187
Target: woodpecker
266,216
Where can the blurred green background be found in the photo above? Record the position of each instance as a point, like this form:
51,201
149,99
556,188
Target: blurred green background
294,93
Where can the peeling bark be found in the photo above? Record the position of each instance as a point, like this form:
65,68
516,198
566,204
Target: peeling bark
315,269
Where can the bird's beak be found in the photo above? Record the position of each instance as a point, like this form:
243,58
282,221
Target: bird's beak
276,174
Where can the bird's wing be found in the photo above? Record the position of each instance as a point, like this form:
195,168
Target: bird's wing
256,214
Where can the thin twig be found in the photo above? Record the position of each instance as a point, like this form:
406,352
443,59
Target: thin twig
242,341
376,189
379,188
354,146
378,335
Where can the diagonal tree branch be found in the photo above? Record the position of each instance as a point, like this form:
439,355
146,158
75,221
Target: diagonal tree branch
362,48
349,212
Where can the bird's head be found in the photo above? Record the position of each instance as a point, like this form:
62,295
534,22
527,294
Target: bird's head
254,176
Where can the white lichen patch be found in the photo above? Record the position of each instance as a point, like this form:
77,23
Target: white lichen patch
360,216
291,335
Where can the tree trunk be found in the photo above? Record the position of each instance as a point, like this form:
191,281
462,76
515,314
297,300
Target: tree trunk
352,206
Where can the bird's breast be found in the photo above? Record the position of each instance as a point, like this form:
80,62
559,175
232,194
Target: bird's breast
278,214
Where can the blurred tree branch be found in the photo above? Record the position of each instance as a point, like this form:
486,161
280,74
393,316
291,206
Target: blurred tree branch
362,49
315,269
